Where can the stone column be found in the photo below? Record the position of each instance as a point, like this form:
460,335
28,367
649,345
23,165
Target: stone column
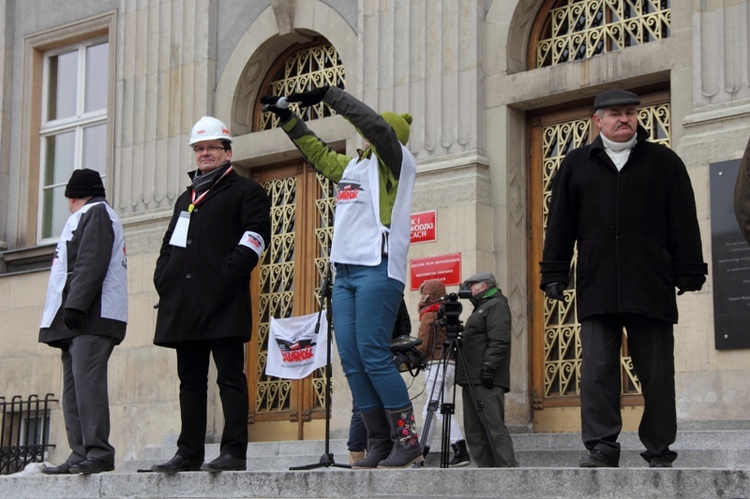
721,52
165,82
425,57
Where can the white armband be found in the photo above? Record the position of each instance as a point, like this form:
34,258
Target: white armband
254,241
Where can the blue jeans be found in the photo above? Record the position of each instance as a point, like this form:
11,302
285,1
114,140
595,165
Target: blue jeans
357,431
365,303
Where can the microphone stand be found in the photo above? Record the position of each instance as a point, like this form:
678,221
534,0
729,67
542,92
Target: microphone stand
326,460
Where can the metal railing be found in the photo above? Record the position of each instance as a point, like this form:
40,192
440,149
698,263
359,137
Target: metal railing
24,431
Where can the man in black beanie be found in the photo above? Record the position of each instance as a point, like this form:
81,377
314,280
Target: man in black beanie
85,316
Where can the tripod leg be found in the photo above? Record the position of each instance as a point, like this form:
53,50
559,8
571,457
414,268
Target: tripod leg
433,402
446,412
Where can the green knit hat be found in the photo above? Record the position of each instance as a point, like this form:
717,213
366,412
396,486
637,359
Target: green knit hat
400,123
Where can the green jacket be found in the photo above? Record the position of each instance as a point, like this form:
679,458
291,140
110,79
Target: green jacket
486,339
370,125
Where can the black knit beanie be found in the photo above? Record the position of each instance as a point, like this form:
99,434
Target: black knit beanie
84,183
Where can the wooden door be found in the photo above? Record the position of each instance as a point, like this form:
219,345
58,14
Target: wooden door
555,342
287,283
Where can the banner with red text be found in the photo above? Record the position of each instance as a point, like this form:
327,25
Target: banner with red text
444,268
423,227
294,350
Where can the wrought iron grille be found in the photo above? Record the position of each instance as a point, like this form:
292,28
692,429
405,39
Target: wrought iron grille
24,431
305,69
562,344
325,204
580,29
276,297
276,290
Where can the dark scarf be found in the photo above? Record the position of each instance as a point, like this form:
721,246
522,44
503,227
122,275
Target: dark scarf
204,181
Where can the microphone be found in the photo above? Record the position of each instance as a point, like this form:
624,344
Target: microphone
282,103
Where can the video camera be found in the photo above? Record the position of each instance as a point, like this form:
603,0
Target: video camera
450,311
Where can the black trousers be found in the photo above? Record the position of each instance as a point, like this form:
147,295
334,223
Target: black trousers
192,368
651,346
86,397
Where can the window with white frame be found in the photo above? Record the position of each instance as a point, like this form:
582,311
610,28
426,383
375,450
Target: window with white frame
73,132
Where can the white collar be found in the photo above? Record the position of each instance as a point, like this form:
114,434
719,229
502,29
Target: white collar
618,146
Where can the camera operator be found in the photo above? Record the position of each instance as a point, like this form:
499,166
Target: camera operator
433,337
486,347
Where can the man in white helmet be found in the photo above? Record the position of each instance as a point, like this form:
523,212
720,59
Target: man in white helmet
219,229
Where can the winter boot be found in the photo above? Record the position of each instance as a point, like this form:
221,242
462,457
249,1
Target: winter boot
378,439
406,449
460,455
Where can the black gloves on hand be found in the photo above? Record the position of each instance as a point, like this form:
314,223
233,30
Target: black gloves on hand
73,318
488,376
269,105
690,282
683,289
309,98
554,291
278,105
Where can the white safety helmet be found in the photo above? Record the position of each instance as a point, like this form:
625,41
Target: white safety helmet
208,128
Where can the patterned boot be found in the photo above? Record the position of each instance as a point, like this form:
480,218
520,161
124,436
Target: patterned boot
378,439
406,449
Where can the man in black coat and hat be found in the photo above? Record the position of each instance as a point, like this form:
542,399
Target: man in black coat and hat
629,206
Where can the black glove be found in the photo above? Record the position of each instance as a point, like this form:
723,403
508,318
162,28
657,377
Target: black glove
269,105
683,289
554,291
488,376
73,318
690,282
309,98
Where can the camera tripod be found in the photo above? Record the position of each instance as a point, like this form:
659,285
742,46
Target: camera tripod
452,350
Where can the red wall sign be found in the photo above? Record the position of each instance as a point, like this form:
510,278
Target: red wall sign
445,268
423,227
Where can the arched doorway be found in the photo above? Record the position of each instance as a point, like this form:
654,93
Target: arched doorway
288,279
567,31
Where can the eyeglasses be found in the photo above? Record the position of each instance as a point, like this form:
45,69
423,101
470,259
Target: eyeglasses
211,149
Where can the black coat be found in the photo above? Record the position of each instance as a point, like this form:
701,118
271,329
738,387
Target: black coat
636,230
204,289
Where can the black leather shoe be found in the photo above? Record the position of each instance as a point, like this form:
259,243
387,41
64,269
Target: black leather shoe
176,464
659,462
91,465
597,459
226,462
63,469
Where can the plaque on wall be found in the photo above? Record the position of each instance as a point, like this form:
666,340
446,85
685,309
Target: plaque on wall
730,256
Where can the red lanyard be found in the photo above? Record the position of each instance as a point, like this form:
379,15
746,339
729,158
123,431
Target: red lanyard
195,202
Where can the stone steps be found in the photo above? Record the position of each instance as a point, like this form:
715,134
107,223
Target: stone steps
720,449
411,483
711,463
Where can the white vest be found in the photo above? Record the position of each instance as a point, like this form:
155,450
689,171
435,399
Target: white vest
114,289
358,232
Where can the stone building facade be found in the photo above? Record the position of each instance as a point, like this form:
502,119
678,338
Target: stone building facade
497,90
